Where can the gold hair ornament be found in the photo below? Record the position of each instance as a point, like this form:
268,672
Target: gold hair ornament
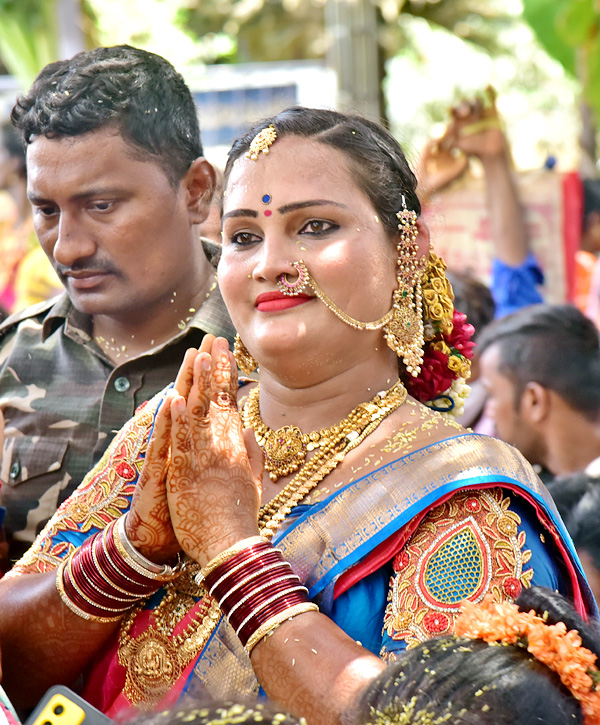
261,142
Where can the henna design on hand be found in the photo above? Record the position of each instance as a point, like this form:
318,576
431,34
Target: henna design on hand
148,522
212,492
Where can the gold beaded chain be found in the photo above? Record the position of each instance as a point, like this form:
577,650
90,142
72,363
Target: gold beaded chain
155,659
285,449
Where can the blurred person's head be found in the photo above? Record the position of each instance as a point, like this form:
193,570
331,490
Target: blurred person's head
192,712
584,527
12,157
463,680
541,369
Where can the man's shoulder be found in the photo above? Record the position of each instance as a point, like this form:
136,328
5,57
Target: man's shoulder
37,313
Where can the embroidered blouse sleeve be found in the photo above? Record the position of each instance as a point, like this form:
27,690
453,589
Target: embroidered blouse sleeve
104,495
475,542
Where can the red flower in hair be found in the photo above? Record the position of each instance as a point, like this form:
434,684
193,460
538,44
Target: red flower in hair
460,337
435,377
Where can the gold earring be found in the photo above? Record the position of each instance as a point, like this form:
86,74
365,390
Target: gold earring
245,362
404,333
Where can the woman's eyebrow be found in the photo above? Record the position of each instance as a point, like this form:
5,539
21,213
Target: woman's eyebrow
240,212
311,202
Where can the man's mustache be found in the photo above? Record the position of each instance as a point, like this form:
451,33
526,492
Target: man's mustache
90,264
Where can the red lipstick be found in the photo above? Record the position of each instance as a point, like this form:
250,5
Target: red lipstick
276,301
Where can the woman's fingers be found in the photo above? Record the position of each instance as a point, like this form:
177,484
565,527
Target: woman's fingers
148,522
185,375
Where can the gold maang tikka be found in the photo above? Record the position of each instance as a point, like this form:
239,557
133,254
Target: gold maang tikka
404,332
261,142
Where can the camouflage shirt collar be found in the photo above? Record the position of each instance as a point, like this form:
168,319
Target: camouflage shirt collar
212,317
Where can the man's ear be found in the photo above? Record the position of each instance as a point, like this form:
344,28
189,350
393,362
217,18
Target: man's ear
536,403
199,183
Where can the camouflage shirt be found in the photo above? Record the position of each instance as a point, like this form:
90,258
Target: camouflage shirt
63,401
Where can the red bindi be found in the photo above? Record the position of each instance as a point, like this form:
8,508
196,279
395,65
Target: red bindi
268,212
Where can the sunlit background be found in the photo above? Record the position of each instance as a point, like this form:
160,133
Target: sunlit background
401,61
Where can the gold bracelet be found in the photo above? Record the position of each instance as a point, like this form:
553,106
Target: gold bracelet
228,553
71,605
276,620
139,563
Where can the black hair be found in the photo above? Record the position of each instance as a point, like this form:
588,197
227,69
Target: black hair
380,166
191,712
473,298
556,346
584,523
568,489
138,92
468,682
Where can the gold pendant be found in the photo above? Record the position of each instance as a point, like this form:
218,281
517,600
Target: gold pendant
285,451
152,668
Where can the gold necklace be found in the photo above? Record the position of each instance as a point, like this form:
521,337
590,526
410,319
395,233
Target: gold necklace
285,449
155,659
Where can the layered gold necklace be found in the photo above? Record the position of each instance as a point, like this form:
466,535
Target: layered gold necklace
155,659
285,449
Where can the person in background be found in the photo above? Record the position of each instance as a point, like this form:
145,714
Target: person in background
541,369
583,522
117,181
26,275
349,520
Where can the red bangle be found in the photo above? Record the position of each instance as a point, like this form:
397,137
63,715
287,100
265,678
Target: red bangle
241,609
242,571
242,556
249,583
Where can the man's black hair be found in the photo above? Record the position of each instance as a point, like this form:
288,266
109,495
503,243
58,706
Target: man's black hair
556,346
138,92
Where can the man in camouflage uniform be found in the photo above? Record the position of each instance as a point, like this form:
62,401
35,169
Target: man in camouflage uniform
117,182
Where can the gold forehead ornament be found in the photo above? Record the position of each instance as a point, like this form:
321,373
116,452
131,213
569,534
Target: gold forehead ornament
261,142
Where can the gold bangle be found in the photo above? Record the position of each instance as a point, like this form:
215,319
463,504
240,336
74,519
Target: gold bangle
72,606
228,553
139,563
276,620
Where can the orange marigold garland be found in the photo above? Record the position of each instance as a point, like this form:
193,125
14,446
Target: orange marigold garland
550,644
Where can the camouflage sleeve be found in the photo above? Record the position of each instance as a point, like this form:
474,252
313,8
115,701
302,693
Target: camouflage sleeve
104,495
473,543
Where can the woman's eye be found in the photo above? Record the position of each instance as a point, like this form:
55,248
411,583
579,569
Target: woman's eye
244,238
317,226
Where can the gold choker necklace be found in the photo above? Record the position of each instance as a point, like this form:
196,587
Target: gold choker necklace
285,449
